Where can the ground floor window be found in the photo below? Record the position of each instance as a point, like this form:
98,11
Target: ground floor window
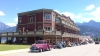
24,40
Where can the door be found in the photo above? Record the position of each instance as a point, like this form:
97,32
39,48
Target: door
48,41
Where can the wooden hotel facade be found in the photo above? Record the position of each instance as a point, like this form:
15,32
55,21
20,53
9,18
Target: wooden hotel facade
44,24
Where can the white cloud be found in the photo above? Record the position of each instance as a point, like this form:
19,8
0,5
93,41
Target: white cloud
90,7
1,13
86,17
95,14
72,15
11,24
57,11
16,19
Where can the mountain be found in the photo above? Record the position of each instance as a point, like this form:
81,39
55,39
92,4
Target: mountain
90,23
3,26
10,29
86,30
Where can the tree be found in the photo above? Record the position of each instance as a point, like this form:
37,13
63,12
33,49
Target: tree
96,39
99,39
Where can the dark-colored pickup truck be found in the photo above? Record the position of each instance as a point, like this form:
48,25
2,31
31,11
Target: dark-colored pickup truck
40,46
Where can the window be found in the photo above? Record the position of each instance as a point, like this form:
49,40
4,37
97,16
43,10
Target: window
39,28
47,28
31,19
20,19
47,16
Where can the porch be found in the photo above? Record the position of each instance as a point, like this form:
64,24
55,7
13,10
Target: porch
29,37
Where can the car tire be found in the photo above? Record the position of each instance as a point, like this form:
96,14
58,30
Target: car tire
41,50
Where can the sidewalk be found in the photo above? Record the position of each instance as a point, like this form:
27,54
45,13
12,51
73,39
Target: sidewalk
13,51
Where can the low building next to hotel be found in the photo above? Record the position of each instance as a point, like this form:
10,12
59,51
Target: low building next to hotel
43,24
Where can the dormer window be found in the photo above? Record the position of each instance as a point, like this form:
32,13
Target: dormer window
20,19
31,19
47,17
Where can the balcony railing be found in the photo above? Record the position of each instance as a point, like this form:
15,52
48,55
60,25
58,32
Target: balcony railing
38,33
70,34
68,24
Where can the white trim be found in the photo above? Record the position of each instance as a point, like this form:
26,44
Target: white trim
31,19
19,19
39,29
48,16
47,27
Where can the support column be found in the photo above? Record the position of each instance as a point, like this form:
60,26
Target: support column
35,35
7,40
12,39
18,40
0,39
56,40
61,38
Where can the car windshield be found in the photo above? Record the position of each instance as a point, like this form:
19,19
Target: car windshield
39,42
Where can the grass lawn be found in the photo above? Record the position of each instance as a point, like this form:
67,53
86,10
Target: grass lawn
4,47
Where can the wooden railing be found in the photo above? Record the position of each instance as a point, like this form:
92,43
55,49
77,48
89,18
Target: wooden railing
70,34
38,33
68,24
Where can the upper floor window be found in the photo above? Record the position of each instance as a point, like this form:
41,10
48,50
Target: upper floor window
20,19
39,28
31,19
47,16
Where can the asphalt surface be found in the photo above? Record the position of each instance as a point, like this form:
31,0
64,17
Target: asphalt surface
83,50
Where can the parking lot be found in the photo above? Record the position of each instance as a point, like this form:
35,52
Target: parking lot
83,50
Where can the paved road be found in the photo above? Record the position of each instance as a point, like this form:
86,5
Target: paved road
84,50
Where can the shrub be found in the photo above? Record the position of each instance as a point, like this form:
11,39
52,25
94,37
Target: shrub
2,42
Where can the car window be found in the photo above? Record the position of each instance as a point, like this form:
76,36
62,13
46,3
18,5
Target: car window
39,42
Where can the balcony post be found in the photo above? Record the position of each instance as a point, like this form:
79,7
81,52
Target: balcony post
56,39
0,39
43,31
43,34
35,35
26,32
35,31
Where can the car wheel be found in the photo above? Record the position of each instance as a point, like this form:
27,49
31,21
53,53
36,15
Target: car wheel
41,50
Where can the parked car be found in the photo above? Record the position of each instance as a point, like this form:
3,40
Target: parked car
90,41
69,44
63,44
77,44
58,45
97,42
84,43
72,44
40,46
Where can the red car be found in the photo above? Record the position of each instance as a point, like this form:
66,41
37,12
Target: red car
40,46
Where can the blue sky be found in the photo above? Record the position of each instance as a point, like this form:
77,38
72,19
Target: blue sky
78,10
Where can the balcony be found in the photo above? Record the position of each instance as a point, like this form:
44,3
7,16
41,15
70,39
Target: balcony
32,33
70,35
58,22
68,24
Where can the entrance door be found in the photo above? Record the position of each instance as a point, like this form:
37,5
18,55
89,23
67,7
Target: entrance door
48,41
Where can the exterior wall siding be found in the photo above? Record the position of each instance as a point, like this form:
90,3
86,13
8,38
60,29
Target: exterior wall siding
31,27
39,17
38,25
